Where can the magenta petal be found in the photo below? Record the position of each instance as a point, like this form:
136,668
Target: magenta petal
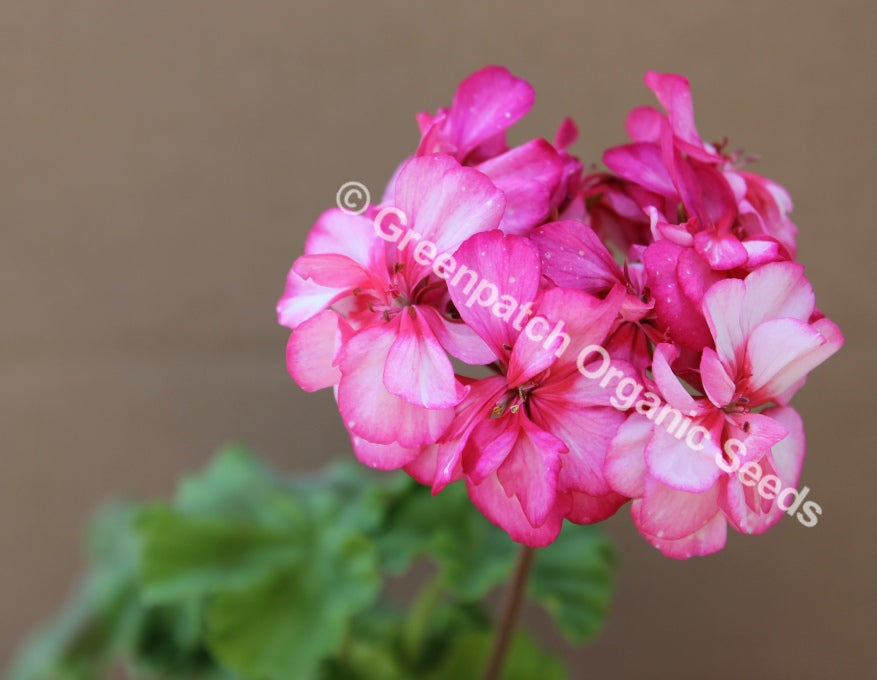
488,446
368,409
505,511
573,256
530,471
486,104
643,124
586,431
528,175
683,320
674,93
642,164
585,318
312,350
587,509
507,267
417,367
722,251
567,134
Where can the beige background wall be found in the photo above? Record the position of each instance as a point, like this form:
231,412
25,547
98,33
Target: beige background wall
161,162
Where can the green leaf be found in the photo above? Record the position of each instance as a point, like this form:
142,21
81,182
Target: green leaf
95,623
185,557
285,625
469,654
473,555
572,579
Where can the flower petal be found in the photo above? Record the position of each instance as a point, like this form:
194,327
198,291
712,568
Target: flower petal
372,412
417,367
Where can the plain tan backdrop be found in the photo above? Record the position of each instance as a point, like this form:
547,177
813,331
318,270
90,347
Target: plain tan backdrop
162,161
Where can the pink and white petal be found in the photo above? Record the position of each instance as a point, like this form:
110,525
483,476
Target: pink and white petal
723,308
707,540
784,461
313,348
303,299
625,467
721,251
717,384
458,339
774,291
674,463
343,234
671,514
762,250
417,368
505,512
757,431
445,203
332,271
471,412
668,382
368,409
782,351
383,456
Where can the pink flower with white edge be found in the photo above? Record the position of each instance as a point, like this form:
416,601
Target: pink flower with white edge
369,316
767,338
530,441
535,177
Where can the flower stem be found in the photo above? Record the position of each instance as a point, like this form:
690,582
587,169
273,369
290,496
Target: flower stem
510,614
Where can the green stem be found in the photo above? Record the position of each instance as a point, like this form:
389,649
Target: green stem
510,614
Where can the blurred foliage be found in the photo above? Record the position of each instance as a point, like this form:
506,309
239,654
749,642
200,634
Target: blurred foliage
247,575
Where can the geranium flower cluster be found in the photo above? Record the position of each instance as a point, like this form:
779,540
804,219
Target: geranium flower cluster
641,330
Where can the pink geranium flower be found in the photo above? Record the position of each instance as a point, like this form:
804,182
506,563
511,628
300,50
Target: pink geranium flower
767,340
367,315
530,441
535,177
